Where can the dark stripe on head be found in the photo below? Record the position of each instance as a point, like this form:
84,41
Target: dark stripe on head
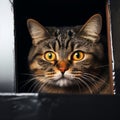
68,44
57,45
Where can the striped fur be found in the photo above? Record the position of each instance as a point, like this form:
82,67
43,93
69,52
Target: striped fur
64,74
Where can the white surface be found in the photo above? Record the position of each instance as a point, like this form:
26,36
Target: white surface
19,94
6,47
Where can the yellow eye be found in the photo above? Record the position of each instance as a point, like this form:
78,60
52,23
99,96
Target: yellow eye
50,56
77,56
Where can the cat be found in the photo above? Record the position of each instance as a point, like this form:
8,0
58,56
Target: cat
69,60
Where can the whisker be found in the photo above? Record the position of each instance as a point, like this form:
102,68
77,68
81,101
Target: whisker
42,86
94,76
103,66
27,74
33,75
76,82
50,72
36,84
81,80
80,83
28,81
100,80
76,72
31,88
93,82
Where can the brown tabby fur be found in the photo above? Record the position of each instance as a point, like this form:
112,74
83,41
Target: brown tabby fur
64,74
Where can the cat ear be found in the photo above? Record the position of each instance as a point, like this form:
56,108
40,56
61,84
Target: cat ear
92,28
37,31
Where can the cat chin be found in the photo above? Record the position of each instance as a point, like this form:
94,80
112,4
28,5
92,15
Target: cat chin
63,82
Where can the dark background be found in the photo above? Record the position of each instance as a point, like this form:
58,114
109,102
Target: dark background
48,13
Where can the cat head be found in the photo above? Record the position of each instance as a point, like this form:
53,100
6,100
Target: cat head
66,56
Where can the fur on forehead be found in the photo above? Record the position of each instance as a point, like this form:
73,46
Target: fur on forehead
90,30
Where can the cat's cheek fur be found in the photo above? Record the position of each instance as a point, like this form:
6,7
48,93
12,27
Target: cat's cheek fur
57,76
68,75
34,65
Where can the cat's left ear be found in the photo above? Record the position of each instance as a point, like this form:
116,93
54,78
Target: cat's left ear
92,28
37,31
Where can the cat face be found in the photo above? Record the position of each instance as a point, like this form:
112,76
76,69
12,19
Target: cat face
68,57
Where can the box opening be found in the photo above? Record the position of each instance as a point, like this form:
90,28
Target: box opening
50,13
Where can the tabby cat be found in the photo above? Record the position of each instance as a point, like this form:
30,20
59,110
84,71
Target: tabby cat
69,59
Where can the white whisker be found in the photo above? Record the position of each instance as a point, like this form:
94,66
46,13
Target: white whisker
93,76
28,81
102,66
77,83
82,81
42,86
91,80
33,86
100,80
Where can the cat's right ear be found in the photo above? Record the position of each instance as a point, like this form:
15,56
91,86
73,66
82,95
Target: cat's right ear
37,31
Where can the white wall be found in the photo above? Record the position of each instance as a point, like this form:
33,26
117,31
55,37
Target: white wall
6,47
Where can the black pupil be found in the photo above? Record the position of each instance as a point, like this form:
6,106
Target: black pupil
50,55
77,55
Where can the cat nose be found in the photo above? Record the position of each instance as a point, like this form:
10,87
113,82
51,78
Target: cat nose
62,69
62,66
